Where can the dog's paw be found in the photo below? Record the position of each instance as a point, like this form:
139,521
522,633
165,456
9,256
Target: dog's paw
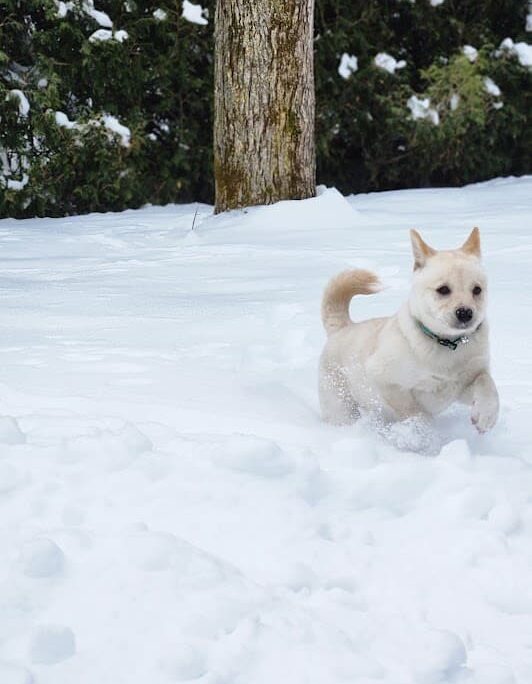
484,415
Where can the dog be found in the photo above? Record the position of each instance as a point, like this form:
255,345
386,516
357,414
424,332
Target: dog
432,353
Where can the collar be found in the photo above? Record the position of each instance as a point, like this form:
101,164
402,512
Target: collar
443,341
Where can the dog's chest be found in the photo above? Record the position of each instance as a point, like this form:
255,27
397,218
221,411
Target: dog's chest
437,388
435,392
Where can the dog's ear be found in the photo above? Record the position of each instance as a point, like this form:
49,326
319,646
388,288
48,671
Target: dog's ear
421,250
472,244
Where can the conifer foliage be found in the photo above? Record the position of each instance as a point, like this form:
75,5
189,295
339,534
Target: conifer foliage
117,105
434,98
107,104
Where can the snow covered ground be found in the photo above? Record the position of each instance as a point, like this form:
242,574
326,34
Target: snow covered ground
171,507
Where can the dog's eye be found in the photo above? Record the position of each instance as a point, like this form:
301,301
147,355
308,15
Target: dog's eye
477,290
444,290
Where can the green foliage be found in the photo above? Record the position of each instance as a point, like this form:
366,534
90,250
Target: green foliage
158,83
367,138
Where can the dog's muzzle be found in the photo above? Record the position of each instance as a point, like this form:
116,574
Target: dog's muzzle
464,315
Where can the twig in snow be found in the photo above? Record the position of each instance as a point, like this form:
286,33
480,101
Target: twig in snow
194,219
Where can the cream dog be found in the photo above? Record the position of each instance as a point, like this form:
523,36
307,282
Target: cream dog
430,354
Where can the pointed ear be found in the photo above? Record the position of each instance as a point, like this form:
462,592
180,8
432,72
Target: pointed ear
472,244
421,250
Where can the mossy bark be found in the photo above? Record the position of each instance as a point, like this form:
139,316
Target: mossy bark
264,102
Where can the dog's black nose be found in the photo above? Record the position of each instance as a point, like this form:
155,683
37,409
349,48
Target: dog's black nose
464,315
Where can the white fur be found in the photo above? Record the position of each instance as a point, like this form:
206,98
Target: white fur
388,366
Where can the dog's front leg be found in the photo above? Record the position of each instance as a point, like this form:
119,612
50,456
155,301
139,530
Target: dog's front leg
484,399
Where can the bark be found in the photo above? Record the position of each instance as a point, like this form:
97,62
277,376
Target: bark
264,102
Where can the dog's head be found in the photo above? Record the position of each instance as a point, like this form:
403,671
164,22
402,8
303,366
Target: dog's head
449,289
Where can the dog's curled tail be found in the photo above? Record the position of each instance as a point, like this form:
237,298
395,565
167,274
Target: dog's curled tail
338,294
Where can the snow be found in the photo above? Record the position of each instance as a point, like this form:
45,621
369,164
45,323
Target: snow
194,13
13,184
523,51
491,87
13,164
160,14
173,508
112,124
63,8
10,674
62,120
348,65
10,432
101,18
120,35
42,558
470,52
109,121
385,61
308,214
104,34
87,6
421,109
436,3
51,644
23,104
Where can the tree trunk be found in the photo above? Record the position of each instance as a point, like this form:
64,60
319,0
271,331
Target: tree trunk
264,102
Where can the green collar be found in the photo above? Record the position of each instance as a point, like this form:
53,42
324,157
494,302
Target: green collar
450,344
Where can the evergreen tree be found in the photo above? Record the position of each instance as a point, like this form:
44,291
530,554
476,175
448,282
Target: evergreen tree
87,71
434,119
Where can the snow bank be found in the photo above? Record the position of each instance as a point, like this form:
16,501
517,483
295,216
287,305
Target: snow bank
328,208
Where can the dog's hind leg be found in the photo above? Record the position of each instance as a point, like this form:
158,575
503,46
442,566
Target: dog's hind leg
337,403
